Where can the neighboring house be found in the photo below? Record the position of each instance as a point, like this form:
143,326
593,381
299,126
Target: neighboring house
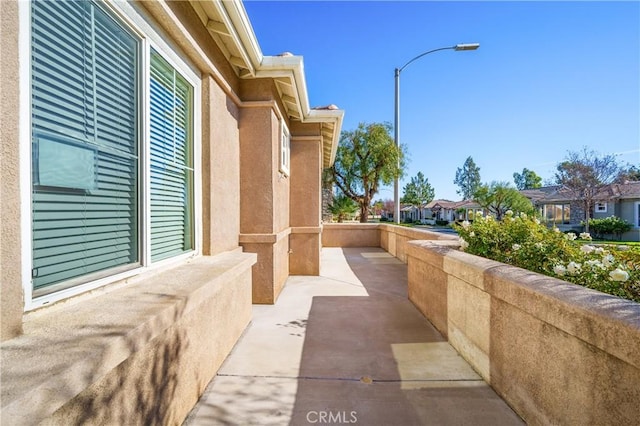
468,209
409,212
559,208
452,211
441,210
159,175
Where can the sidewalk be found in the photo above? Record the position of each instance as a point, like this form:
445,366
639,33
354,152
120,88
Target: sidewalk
347,347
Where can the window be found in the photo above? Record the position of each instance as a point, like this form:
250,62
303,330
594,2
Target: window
557,213
105,197
285,150
84,143
601,207
171,161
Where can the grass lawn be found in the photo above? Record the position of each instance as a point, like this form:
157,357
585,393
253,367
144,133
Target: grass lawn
614,242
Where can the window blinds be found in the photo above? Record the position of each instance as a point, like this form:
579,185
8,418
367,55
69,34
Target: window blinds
171,160
84,125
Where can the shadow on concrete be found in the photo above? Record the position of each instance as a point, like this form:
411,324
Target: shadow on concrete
375,360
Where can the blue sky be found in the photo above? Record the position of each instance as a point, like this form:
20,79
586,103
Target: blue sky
548,77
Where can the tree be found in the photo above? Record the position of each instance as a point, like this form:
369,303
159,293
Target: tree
629,174
584,174
468,179
528,179
341,207
418,192
366,158
499,197
378,207
388,206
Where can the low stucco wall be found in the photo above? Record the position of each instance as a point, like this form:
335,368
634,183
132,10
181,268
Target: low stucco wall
351,235
392,238
557,353
139,354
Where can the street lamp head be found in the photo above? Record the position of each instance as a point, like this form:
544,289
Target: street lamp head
466,46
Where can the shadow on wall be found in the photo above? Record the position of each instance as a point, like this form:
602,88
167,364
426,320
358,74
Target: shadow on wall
139,390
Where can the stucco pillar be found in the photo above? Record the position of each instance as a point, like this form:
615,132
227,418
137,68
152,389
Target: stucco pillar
11,295
220,170
306,205
264,200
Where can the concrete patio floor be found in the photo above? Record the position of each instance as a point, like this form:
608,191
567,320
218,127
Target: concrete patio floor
347,347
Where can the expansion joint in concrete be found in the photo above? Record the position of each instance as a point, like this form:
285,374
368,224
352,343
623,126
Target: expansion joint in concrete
363,379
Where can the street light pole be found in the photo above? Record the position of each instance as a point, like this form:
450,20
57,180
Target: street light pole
396,127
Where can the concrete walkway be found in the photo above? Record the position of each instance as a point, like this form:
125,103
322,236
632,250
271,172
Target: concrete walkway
347,347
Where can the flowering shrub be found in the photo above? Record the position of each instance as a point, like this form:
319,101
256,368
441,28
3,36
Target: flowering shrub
609,226
523,241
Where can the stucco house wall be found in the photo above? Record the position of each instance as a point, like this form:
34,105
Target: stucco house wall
11,302
140,346
629,210
305,212
221,204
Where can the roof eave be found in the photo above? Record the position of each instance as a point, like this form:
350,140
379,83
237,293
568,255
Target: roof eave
230,25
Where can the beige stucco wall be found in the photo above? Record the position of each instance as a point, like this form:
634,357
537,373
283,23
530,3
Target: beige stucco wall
306,172
392,238
350,235
557,353
123,353
256,174
145,359
305,203
11,298
220,170
264,199
305,245
281,263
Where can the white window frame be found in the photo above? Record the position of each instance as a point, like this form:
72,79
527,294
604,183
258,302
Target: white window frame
600,207
149,38
285,149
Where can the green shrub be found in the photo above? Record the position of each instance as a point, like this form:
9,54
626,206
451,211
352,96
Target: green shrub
442,222
523,241
608,227
342,207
